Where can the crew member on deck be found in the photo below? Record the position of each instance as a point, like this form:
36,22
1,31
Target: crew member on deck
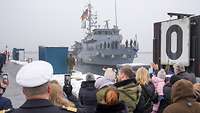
126,43
71,63
131,43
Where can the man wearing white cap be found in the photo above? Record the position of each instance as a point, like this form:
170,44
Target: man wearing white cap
34,78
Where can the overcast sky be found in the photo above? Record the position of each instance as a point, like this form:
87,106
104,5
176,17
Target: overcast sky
30,23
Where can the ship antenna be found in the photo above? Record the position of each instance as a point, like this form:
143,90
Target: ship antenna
90,17
116,13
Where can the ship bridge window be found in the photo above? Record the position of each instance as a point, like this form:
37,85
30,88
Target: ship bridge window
112,45
106,32
97,32
116,32
116,44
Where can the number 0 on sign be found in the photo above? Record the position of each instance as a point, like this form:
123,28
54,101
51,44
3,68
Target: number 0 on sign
175,37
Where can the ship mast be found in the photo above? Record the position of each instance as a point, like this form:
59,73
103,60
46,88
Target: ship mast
90,18
116,13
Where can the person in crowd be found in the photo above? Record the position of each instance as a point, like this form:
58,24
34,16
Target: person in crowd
67,89
159,83
148,91
111,103
4,82
196,88
102,83
7,54
183,100
56,95
153,70
128,88
1,62
34,79
110,74
87,94
71,63
179,70
5,103
167,94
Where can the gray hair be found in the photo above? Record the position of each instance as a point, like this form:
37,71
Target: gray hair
179,67
89,77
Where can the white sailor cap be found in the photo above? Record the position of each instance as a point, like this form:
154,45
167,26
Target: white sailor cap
34,74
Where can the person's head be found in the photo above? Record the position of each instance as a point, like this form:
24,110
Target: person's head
54,82
102,82
110,74
34,78
178,67
156,67
70,55
111,96
90,77
126,73
182,89
161,74
56,95
142,76
196,88
35,92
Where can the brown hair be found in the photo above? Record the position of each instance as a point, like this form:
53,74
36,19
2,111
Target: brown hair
127,70
142,76
56,96
196,86
111,96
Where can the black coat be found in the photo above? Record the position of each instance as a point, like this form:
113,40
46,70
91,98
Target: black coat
187,76
145,104
118,108
5,103
39,106
87,93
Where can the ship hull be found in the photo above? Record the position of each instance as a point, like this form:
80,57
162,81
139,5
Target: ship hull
108,57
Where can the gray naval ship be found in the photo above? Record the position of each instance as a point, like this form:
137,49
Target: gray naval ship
103,45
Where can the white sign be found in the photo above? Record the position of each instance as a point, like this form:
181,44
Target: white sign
175,42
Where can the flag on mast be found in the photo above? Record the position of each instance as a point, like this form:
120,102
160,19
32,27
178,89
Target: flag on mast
84,15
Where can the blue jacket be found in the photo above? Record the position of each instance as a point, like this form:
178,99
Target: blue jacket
5,103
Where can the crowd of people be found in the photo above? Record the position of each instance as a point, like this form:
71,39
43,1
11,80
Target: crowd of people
126,91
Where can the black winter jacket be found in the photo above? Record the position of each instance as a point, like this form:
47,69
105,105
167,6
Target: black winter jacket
87,94
118,108
146,99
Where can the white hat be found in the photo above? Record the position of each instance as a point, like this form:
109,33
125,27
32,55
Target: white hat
34,74
102,82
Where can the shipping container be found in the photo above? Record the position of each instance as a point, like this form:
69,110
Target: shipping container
57,56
